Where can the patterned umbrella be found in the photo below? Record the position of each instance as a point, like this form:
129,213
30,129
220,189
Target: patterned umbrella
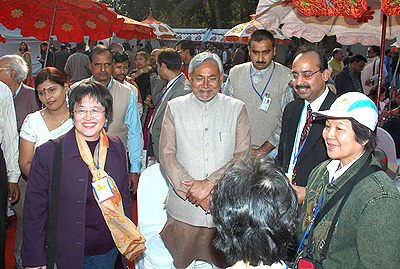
162,30
361,21
71,20
241,32
134,29
368,22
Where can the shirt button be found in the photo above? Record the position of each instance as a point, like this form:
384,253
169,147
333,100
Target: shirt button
206,129
205,114
79,201
206,174
206,158
206,144
80,179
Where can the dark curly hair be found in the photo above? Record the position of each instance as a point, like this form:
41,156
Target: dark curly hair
255,213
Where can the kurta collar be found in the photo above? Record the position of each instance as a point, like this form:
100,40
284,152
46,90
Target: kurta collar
206,106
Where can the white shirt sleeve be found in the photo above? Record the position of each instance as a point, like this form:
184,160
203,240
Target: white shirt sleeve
9,134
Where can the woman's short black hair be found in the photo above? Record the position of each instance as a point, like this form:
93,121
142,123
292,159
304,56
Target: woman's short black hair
364,134
254,209
94,90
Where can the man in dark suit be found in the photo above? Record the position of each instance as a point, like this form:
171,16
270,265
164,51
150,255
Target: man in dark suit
299,153
169,69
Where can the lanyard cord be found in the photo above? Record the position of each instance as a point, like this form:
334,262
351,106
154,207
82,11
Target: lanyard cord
167,89
97,165
311,223
296,147
266,85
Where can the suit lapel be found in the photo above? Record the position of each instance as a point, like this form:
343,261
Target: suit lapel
317,127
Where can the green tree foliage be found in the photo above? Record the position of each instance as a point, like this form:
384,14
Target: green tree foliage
188,13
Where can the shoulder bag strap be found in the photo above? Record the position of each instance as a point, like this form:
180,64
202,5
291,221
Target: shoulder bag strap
344,192
51,236
373,71
371,169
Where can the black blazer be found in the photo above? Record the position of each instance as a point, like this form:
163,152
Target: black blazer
313,152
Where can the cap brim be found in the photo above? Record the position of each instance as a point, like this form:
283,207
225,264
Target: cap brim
329,114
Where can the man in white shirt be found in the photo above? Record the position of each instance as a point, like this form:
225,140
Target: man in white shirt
369,75
9,168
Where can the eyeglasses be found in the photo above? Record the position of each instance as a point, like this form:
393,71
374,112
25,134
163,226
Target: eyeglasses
95,112
305,75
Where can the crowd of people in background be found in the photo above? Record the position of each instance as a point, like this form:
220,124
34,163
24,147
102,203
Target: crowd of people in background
232,129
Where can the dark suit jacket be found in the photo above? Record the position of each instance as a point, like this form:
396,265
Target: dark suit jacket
181,87
25,103
344,82
313,152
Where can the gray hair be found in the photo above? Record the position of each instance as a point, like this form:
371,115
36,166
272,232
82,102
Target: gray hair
18,64
200,58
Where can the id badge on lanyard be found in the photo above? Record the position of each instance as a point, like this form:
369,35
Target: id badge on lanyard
102,189
266,102
265,98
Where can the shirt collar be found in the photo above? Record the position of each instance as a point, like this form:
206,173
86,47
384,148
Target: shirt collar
255,71
373,59
109,83
333,170
317,103
18,90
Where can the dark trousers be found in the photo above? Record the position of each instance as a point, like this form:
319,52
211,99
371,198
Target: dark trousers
3,208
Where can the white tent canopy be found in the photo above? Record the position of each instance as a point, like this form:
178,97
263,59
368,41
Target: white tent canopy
12,45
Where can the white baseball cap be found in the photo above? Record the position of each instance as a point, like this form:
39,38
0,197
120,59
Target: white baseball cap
353,105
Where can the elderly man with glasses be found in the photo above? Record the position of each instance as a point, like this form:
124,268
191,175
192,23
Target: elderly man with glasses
301,146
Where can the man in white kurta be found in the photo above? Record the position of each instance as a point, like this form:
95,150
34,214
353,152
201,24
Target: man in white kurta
202,133
9,169
369,75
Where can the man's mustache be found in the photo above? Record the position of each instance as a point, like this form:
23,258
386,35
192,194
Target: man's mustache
261,62
298,87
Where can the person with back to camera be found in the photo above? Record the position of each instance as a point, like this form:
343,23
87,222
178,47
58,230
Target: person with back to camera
254,209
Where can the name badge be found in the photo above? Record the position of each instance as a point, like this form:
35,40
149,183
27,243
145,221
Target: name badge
266,101
102,189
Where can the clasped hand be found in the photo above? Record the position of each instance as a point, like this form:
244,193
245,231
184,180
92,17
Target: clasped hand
199,192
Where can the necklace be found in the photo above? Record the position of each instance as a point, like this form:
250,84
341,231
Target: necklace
61,122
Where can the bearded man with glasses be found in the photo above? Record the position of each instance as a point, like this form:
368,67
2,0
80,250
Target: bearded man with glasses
301,146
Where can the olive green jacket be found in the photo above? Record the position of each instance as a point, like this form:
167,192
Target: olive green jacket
367,234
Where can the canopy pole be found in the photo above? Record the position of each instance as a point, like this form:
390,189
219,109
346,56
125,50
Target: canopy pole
383,39
51,31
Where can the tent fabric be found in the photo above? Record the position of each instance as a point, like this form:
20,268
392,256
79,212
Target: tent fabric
200,34
12,45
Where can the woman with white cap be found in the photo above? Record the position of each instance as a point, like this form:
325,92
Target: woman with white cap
352,209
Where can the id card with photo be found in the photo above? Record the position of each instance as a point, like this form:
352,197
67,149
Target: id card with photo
266,102
102,189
